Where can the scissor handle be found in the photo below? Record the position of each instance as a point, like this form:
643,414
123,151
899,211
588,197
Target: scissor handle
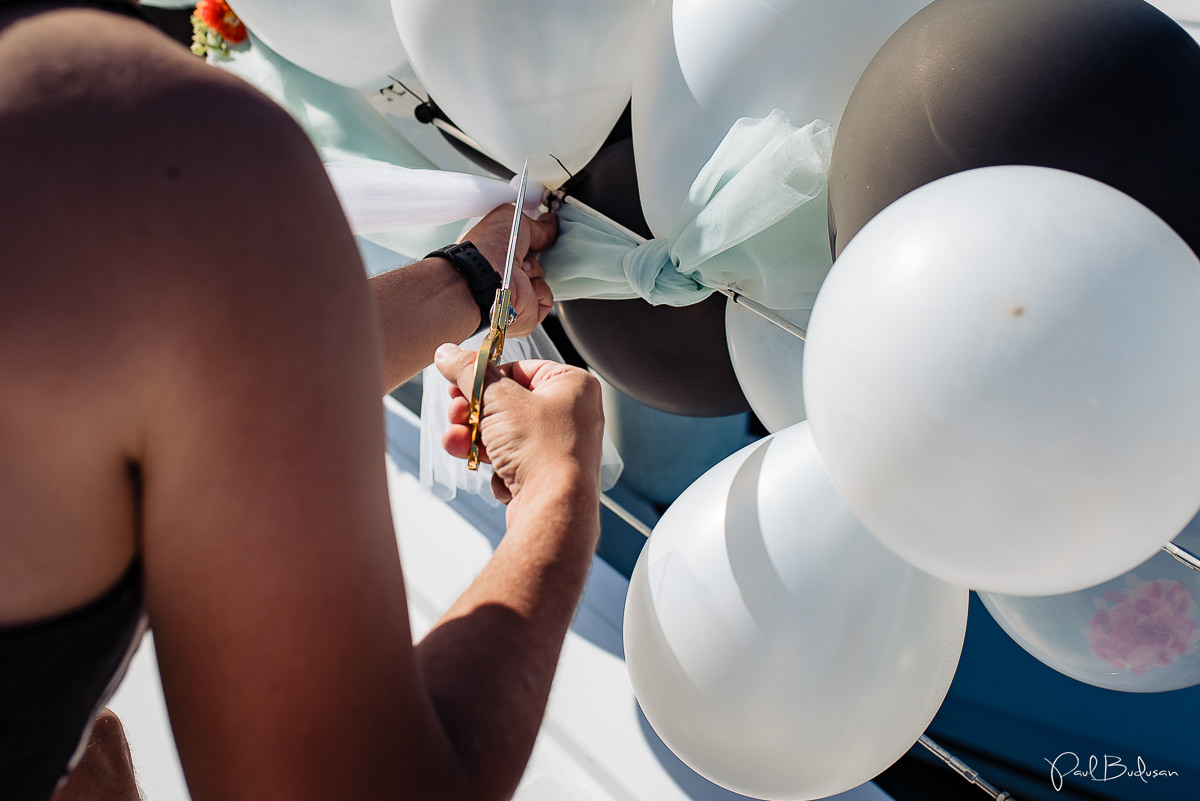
489,351
475,410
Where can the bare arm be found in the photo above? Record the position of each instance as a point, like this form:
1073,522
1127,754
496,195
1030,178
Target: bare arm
544,444
428,303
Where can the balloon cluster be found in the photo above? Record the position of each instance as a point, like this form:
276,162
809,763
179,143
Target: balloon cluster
1002,369
1001,376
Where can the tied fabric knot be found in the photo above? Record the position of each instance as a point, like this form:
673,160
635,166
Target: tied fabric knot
652,272
594,259
755,221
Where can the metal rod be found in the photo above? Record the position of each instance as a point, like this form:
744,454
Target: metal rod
1185,556
446,127
964,770
765,313
626,515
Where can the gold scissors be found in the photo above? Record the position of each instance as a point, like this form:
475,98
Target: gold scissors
502,314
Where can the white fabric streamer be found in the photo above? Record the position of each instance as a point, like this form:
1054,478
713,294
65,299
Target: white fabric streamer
443,473
378,198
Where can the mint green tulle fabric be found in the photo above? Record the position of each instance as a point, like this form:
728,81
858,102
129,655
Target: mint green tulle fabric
754,221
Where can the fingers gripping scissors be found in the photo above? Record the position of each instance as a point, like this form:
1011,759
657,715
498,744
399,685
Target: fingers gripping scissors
503,314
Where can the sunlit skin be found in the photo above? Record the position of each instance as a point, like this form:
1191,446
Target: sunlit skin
193,364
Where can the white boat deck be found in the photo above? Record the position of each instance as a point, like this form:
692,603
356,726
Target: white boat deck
594,745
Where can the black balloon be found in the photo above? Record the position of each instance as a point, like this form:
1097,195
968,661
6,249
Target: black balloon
674,359
1109,89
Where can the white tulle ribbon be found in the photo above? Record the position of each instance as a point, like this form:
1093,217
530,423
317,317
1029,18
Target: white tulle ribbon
378,198
444,474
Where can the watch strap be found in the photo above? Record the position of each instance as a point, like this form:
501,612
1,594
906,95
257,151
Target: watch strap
482,279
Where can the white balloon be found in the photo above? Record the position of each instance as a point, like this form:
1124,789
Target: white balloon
527,78
768,362
1138,633
1002,373
772,643
350,42
706,63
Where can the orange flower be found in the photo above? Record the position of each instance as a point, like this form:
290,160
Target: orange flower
217,15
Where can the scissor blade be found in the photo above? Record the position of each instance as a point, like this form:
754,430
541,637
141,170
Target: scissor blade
516,226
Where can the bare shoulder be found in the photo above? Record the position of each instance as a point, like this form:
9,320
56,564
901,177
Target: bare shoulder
104,106
169,242
155,181
109,86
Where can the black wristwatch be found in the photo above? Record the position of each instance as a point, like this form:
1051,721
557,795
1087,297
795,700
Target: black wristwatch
481,278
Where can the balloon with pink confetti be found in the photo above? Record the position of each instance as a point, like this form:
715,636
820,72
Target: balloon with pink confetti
1138,633
1151,624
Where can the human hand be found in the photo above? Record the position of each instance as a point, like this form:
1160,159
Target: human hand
531,297
106,771
539,418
